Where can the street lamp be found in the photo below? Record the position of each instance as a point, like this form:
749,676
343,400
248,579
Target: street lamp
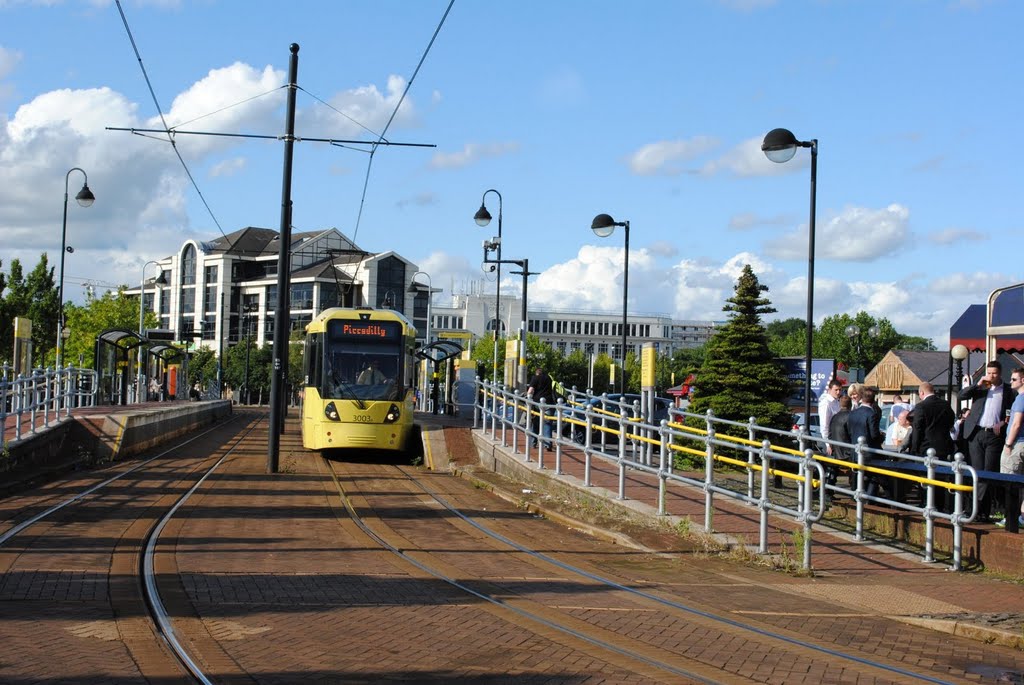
482,218
85,198
413,288
779,146
853,332
603,226
247,311
140,379
959,353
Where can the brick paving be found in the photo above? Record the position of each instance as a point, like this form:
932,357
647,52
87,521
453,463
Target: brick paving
872,578
271,574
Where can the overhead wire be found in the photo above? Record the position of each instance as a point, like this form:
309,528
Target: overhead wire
373,150
170,136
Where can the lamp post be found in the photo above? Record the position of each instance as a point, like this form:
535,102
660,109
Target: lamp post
426,335
603,226
482,218
521,372
84,198
779,146
959,353
140,378
853,332
247,311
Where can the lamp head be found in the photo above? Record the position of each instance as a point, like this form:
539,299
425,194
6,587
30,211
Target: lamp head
852,331
603,225
482,216
959,352
874,331
160,280
412,288
780,145
85,197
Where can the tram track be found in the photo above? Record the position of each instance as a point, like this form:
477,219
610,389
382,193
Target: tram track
586,621
138,611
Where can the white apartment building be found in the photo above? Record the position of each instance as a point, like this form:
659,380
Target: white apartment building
567,330
215,293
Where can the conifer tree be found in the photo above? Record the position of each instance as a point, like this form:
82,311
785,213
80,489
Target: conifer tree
740,376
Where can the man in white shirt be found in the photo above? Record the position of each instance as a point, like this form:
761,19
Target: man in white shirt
828,406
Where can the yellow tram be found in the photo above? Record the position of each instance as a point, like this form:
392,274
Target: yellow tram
359,389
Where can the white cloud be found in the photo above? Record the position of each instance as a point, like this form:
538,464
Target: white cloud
563,87
663,156
364,112
747,220
856,234
418,200
747,159
228,167
470,154
8,61
949,236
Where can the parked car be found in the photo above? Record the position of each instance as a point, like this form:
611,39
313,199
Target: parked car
798,424
661,409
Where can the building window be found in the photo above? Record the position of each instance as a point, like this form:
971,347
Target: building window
188,301
390,283
271,298
301,296
210,299
188,265
210,274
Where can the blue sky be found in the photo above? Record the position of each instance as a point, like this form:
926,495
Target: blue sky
649,111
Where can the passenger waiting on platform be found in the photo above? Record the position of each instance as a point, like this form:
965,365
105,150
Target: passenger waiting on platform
839,430
828,405
932,421
540,388
985,427
154,390
1012,459
897,436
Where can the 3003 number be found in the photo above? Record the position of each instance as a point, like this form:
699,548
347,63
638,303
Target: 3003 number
362,418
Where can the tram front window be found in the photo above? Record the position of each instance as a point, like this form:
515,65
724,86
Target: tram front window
363,376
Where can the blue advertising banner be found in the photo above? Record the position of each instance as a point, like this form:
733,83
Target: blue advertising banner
822,371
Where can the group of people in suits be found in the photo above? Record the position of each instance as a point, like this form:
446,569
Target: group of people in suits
992,429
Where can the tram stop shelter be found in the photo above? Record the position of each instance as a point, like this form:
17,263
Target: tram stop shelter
114,364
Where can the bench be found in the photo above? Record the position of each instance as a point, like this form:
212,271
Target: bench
1011,501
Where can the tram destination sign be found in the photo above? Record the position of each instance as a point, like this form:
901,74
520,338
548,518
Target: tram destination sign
366,331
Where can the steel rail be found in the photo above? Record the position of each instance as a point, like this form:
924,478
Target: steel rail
668,602
373,535
71,500
151,594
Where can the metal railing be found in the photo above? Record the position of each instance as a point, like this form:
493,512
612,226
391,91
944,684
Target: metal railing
42,398
589,422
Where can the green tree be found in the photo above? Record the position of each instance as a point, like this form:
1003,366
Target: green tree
574,370
483,356
33,297
98,314
740,376
787,337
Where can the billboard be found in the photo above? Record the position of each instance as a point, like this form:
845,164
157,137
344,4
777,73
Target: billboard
822,371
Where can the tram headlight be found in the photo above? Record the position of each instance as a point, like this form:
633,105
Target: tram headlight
393,413
331,412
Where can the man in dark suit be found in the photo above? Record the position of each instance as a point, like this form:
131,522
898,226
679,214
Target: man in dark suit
984,427
863,420
932,420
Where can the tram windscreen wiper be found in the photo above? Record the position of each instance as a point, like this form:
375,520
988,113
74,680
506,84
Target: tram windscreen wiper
347,392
